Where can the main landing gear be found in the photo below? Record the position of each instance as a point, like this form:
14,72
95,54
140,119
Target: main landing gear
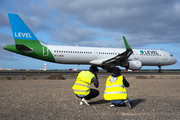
160,70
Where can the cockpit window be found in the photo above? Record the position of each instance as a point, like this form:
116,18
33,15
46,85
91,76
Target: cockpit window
171,55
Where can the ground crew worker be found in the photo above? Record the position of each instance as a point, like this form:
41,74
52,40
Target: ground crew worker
82,88
115,89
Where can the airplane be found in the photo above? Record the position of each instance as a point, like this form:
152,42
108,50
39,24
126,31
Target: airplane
107,58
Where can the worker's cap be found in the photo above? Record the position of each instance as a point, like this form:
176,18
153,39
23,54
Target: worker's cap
93,69
117,70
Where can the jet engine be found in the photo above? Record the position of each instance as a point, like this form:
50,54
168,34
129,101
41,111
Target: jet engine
132,65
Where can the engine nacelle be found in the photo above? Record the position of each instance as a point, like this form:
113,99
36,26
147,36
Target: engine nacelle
132,65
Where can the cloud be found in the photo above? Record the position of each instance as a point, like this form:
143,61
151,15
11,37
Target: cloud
4,19
74,33
158,19
75,21
5,40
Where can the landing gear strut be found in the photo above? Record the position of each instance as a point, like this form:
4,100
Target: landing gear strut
160,70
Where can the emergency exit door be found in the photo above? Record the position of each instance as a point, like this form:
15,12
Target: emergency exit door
95,54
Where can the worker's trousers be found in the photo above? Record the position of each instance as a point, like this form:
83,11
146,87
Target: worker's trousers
93,93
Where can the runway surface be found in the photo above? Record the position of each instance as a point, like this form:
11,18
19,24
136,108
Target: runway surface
14,73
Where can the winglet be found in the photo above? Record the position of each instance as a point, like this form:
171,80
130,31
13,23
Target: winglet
126,44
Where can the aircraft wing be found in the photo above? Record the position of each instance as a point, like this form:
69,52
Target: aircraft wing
120,57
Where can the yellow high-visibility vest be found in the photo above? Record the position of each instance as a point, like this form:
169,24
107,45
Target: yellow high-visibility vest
82,84
115,90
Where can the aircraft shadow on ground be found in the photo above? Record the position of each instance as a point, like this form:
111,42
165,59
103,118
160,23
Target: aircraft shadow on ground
134,102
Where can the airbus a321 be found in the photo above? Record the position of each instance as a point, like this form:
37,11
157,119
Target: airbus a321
27,44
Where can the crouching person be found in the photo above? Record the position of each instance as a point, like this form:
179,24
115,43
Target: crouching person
82,88
115,90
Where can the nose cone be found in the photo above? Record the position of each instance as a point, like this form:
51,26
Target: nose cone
175,61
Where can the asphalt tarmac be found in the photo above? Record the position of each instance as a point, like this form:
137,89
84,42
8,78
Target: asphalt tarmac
66,72
154,97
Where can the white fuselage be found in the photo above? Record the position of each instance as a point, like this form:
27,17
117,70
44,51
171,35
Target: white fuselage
95,55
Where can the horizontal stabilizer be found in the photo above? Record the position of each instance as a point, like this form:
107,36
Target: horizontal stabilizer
23,48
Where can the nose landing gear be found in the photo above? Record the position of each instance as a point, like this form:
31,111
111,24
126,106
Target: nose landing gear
160,70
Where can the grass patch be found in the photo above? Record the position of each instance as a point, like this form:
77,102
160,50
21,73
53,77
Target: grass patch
8,78
56,76
141,77
28,75
76,74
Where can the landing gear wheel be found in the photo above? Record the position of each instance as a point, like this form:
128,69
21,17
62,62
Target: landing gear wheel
160,70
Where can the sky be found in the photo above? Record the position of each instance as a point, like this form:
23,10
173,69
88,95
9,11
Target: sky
149,24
